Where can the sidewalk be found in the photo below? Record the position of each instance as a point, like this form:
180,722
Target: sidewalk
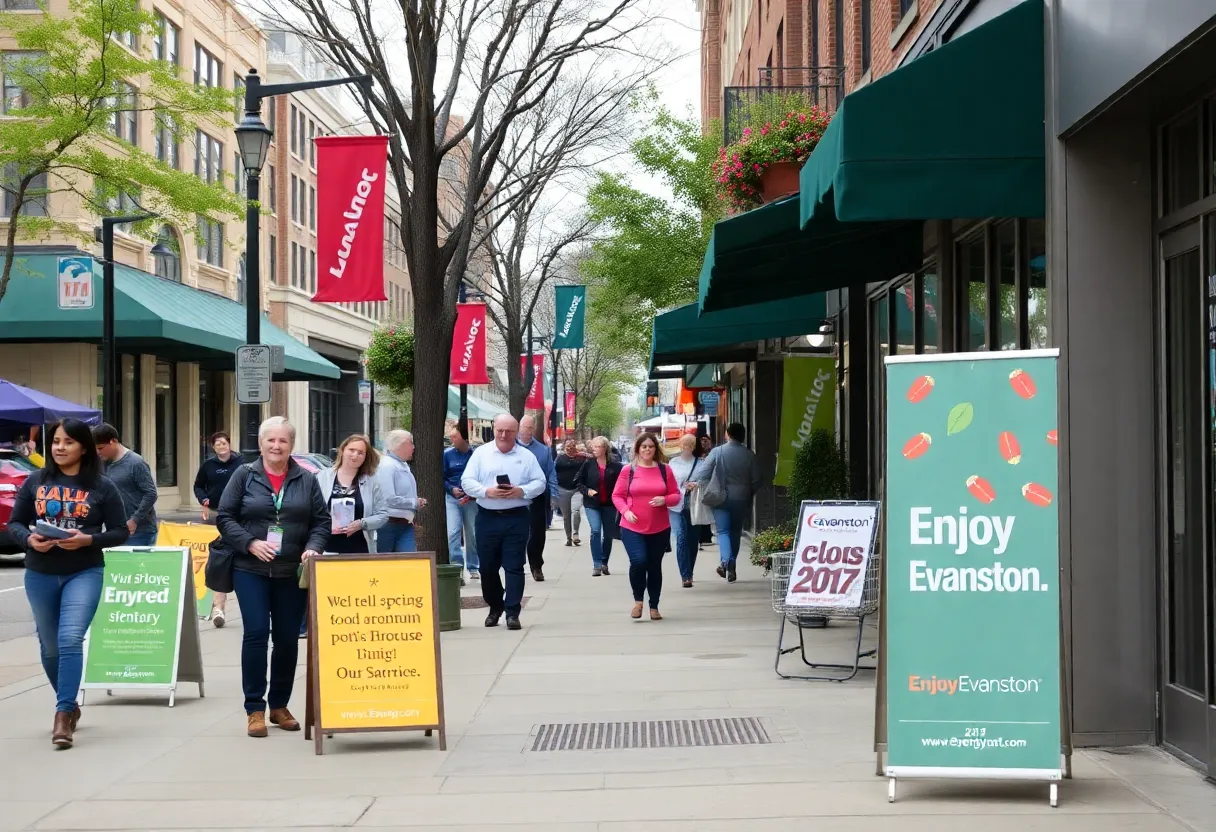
140,765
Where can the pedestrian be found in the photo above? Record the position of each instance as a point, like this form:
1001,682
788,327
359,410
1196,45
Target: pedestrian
273,517
505,480
742,478
596,479
209,483
133,479
400,491
643,494
566,468
63,576
685,534
357,507
461,509
542,507
705,444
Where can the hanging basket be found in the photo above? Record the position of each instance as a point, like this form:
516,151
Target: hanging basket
778,181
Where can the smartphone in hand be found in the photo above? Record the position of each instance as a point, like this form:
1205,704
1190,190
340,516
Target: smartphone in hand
504,481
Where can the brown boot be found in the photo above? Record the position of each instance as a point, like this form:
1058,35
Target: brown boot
636,612
283,718
61,733
654,615
257,724
75,718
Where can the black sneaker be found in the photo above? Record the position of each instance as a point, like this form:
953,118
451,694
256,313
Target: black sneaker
513,623
492,619
730,576
538,575
721,570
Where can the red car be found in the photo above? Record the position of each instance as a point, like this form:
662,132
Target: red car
14,468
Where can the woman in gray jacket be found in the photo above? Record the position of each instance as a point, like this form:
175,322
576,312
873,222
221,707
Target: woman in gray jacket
356,502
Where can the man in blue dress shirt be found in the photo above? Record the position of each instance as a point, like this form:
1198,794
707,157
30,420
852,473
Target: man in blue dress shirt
503,517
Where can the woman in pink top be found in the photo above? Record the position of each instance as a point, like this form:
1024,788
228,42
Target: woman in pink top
643,494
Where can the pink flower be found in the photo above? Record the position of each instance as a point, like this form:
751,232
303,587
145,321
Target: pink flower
802,118
785,124
756,168
747,131
764,130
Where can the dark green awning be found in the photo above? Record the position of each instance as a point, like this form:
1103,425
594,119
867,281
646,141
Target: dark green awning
682,336
956,133
152,316
763,255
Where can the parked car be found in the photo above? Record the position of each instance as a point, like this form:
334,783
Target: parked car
313,462
14,469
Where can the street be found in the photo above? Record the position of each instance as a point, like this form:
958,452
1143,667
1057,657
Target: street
15,617
138,764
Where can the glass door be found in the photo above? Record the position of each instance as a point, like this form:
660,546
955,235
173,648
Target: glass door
1188,720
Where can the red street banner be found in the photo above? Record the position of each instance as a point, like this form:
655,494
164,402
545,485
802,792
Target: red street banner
350,221
570,402
536,394
469,345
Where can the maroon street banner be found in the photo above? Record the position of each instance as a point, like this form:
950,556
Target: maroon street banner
468,364
570,403
350,218
536,394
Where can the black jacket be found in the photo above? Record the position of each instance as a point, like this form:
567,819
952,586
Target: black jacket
568,468
246,512
213,476
589,478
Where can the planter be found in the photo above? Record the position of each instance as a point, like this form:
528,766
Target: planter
449,595
779,180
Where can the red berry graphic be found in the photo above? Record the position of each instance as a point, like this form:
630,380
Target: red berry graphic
980,488
1011,451
1022,384
920,388
917,445
1036,494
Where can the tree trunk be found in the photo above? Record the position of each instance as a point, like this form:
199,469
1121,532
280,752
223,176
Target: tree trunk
10,242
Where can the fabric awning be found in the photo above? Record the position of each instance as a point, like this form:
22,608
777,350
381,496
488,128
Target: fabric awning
478,409
682,336
152,316
764,255
956,133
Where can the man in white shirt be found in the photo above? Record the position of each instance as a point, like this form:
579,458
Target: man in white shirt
503,478
401,493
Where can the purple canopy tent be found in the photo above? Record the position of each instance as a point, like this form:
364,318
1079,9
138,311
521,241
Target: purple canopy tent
21,406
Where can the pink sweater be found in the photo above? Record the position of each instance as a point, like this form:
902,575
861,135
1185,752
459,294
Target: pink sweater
647,484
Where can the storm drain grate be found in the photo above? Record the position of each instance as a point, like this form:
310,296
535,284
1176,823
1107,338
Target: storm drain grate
670,733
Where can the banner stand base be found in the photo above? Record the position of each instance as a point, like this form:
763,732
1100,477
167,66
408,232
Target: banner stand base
853,669
1052,778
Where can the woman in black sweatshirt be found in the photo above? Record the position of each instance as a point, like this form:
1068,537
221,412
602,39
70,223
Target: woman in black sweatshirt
63,575
209,484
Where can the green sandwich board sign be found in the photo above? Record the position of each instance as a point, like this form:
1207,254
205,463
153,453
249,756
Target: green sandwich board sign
972,567
144,635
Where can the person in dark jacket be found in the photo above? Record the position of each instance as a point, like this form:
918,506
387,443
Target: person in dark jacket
596,479
63,576
209,484
273,516
567,467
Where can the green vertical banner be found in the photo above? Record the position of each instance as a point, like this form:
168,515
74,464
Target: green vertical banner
133,640
808,403
972,566
571,306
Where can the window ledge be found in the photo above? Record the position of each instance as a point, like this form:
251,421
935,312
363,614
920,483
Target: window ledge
905,24
213,271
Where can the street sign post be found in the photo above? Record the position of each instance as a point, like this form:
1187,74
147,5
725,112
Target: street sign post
76,282
365,392
253,363
709,402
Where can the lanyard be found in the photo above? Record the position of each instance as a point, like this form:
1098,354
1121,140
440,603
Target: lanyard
277,498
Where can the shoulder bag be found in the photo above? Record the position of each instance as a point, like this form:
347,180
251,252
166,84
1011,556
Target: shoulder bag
713,494
218,573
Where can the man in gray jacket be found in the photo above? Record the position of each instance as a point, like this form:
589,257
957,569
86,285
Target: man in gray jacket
741,476
133,478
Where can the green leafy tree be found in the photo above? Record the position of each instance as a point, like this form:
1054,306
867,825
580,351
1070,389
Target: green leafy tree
72,91
820,470
605,416
649,256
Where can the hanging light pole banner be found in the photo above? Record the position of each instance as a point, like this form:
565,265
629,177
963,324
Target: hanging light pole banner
468,365
571,306
350,218
144,635
571,401
972,567
808,403
536,393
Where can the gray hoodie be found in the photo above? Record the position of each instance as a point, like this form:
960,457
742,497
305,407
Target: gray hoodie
133,479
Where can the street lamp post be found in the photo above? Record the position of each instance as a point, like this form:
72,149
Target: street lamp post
109,355
253,138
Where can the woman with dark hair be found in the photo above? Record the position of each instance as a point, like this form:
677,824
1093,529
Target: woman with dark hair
643,494
596,479
209,484
63,570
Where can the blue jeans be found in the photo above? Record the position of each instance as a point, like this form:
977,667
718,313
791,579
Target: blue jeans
599,516
271,609
395,537
503,543
729,518
646,563
462,517
685,541
63,607
142,539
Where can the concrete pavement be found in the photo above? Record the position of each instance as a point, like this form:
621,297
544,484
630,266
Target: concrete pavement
140,765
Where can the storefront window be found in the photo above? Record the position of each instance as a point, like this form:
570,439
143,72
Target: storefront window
129,400
879,327
905,317
1006,272
1183,166
930,323
1036,279
166,423
973,280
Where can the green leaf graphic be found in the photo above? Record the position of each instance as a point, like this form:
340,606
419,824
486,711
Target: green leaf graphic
960,418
